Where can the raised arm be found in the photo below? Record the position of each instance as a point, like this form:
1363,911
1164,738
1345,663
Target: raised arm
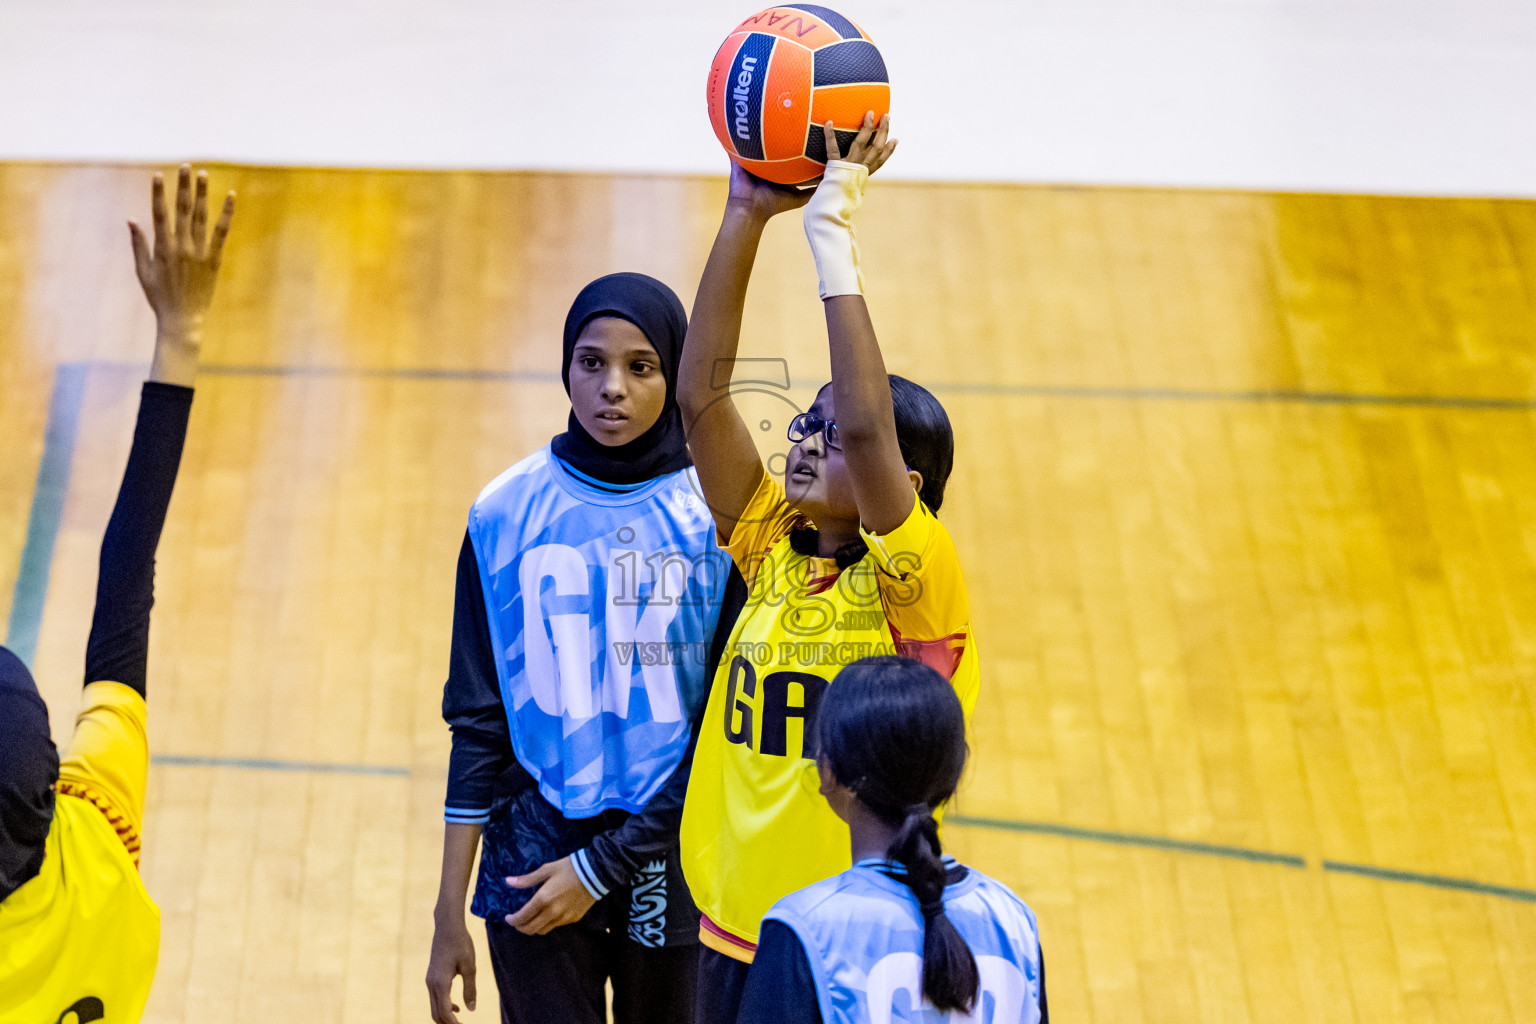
721,445
177,276
861,391
108,757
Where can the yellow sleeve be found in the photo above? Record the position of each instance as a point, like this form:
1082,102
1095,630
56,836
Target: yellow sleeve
108,758
765,521
922,590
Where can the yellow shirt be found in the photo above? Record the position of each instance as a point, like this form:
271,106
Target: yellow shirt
755,828
79,942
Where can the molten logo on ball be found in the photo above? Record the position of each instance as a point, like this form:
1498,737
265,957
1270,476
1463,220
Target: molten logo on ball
782,74
742,94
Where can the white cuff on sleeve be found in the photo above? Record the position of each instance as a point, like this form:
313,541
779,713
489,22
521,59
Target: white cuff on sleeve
585,875
829,228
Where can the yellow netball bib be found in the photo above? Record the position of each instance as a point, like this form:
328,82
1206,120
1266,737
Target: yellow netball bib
83,937
754,827
79,942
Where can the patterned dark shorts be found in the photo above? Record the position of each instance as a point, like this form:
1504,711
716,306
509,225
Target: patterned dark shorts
525,831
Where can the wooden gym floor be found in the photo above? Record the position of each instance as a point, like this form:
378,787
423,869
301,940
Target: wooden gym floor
1246,493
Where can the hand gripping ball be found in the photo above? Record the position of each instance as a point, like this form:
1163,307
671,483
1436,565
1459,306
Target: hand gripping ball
782,74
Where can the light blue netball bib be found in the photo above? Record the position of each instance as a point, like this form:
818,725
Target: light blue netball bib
601,607
863,937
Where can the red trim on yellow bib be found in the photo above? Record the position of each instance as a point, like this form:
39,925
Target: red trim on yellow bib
722,941
120,824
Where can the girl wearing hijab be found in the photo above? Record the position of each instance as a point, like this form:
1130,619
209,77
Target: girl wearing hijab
590,587
79,933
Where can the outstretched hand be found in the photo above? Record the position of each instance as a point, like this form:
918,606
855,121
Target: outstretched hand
179,272
872,147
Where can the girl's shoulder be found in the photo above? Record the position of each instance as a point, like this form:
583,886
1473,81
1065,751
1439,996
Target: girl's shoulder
821,900
526,471
997,894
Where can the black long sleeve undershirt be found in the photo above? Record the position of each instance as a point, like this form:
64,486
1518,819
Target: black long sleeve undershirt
482,740
118,648
780,988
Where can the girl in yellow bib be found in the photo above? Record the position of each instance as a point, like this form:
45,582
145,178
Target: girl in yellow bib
79,935
844,559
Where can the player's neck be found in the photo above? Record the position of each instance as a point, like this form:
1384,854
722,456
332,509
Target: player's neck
832,535
868,835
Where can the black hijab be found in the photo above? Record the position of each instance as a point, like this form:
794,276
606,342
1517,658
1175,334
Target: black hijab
29,766
658,312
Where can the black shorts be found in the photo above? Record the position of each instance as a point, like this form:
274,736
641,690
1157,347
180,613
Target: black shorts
559,978
721,981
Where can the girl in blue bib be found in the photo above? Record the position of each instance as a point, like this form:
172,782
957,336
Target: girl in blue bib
590,585
906,934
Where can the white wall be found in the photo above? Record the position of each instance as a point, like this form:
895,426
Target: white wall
1418,96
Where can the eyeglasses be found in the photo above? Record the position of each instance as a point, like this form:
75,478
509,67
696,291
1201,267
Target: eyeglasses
807,425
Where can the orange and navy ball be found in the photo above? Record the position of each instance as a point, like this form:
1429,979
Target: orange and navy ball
781,75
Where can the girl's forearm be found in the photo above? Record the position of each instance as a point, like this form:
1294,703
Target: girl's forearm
714,332
860,390
460,842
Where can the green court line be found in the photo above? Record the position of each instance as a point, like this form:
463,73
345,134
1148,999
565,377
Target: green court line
1047,828
1508,892
379,373
31,590
263,764
1463,402
1472,403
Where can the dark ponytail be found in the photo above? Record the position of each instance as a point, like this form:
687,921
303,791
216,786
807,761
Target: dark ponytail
892,730
950,980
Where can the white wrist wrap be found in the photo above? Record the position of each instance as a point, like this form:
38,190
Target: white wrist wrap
829,228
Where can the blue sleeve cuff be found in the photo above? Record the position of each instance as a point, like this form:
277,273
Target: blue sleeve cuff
587,876
466,815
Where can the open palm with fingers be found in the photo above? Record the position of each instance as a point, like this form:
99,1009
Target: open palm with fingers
872,146
178,272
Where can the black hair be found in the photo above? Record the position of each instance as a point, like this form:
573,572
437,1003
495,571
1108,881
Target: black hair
892,730
924,434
